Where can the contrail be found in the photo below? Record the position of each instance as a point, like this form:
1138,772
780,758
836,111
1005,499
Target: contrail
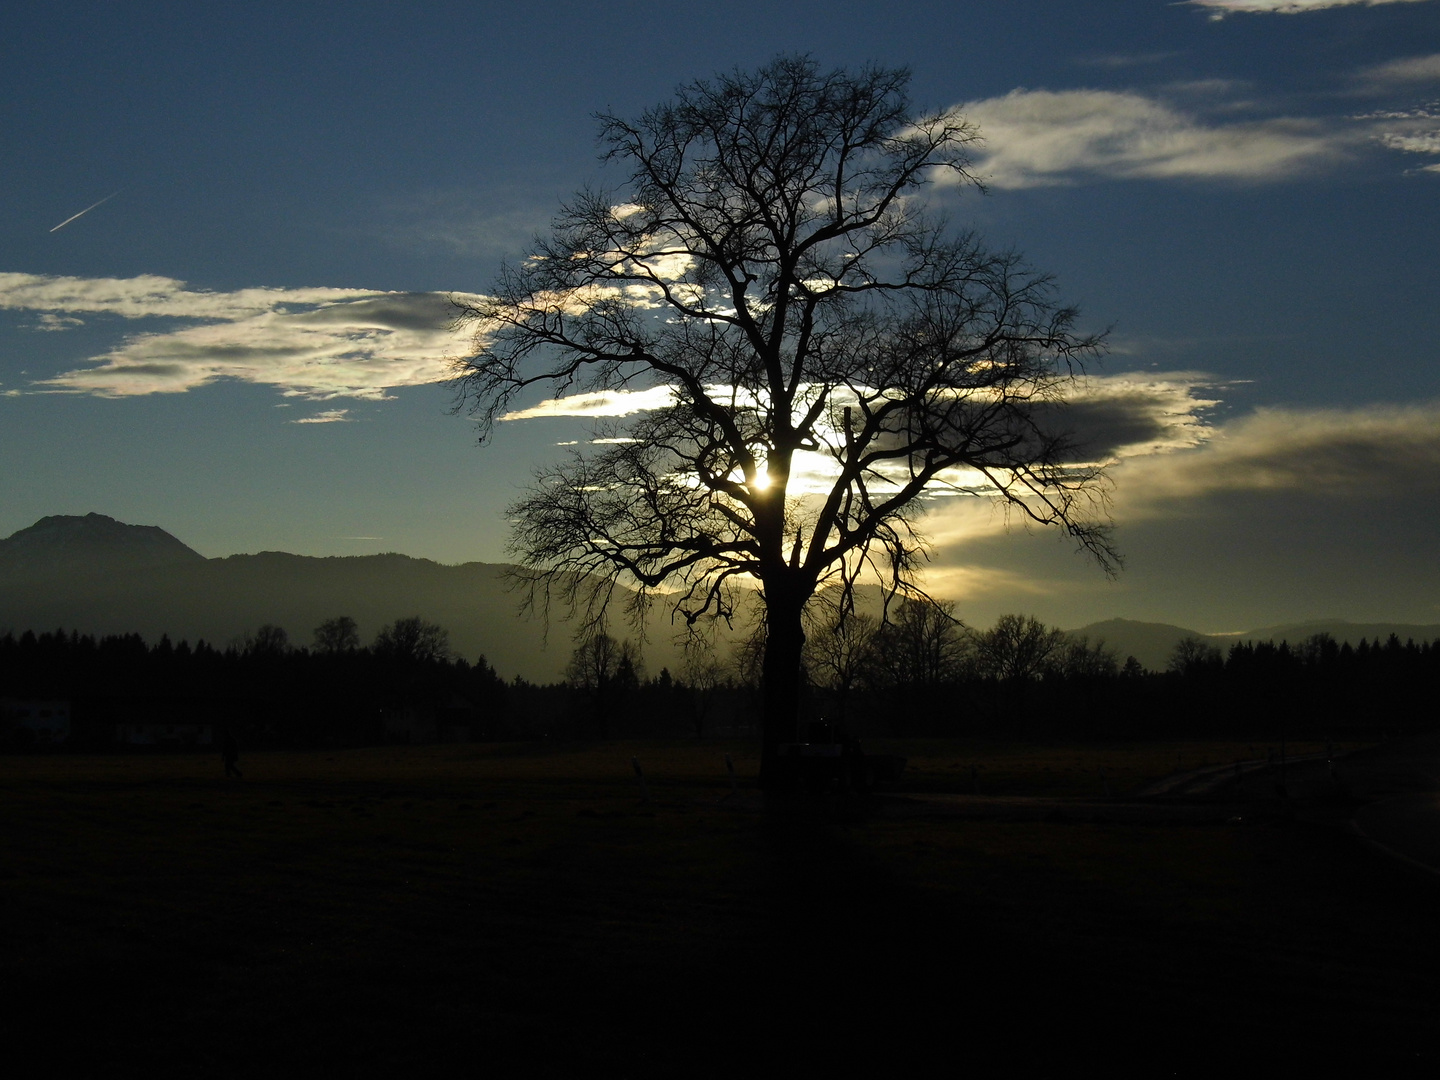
87,209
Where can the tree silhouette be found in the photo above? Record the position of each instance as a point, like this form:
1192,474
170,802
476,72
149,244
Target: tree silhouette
1192,655
413,639
337,635
1019,648
269,640
1079,659
840,653
819,351
606,670
924,645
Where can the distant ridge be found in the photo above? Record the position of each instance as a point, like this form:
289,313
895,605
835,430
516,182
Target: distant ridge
1340,630
96,575
1152,643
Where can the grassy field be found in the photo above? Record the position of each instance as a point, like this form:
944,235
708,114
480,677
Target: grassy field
456,908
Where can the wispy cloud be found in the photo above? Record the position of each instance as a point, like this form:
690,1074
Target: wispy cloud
602,403
1041,137
152,295
1126,60
317,343
1406,71
49,321
462,221
1109,418
329,416
1221,8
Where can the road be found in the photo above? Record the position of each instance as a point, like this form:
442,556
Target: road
1398,785
1392,791
1388,795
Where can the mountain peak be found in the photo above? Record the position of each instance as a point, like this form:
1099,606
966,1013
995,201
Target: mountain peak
74,544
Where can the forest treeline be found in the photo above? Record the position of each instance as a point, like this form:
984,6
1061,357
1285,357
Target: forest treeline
919,672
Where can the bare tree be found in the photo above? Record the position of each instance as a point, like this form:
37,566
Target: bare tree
605,670
820,353
703,674
1192,655
599,660
338,635
269,640
922,645
839,653
1019,648
413,639
1079,659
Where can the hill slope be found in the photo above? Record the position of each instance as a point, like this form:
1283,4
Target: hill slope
100,576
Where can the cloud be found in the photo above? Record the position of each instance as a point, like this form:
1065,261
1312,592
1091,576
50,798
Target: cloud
1041,137
316,343
1410,69
1244,527
1427,142
1125,60
601,403
1109,417
1410,131
1120,416
49,321
1221,8
150,294
329,416
1379,450
462,221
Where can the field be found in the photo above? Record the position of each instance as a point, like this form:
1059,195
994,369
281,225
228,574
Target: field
408,910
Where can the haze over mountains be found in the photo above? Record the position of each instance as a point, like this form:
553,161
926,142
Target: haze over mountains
98,575
101,576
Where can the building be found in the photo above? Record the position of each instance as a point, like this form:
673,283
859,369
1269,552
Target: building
36,722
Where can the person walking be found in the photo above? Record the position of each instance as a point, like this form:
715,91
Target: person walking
230,754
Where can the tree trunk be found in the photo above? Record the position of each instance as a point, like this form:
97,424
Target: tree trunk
780,702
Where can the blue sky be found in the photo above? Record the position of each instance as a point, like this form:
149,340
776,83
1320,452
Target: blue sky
245,343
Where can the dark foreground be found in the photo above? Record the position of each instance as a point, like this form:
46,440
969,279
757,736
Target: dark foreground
470,909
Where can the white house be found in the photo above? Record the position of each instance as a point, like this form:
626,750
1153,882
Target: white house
47,721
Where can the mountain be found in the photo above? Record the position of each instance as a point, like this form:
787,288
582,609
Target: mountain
1152,643
100,576
89,546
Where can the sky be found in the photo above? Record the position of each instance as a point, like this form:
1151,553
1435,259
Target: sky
230,237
